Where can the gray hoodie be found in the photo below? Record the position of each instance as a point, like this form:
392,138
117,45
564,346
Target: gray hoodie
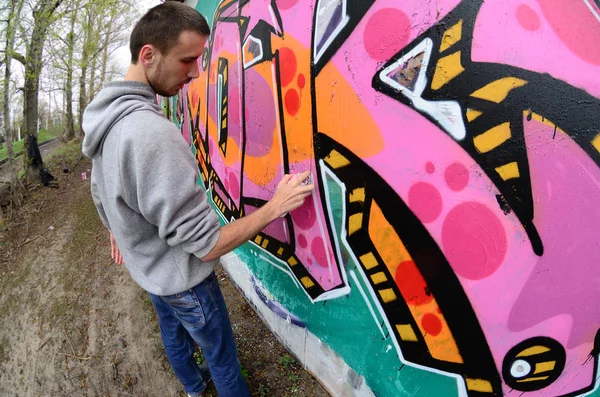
143,183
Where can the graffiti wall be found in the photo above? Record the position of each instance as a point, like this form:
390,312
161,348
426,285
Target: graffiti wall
452,246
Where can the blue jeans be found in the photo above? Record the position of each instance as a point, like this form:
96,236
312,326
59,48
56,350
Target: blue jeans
199,315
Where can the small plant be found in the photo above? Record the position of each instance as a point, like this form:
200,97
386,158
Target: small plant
286,361
244,372
293,377
198,357
263,391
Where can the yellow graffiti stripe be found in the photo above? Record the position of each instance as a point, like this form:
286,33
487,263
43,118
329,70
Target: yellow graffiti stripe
473,114
498,90
387,295
533,379
358,195
355,223
492,138
406,332
451,36
379,278
508,171
447,68
307,282
596,142
480,385
368,260
533,351
545,366
336,160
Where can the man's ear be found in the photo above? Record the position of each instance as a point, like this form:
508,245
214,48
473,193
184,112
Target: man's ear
147,54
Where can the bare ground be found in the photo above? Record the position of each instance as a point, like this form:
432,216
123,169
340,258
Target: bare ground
75,324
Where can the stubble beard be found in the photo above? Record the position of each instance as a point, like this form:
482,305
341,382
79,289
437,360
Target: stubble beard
154,79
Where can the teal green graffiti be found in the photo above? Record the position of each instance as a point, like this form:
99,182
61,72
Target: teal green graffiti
345,323
207,8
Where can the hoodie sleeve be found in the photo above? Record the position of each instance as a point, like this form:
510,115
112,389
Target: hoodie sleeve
98,202
158,174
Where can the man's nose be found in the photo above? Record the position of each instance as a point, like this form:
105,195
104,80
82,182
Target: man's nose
194,72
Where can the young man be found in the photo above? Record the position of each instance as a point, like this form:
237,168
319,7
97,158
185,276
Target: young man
143,185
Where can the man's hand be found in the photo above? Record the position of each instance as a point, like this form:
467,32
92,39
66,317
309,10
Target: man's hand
291,192
289,195
114,251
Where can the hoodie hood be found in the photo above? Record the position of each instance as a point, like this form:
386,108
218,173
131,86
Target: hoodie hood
115,101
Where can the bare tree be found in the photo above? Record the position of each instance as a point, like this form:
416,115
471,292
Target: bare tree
43,16
14,14
70,128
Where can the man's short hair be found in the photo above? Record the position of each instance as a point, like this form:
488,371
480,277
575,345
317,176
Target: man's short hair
162,25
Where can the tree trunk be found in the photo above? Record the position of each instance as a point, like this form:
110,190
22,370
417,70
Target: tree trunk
42,17
15,186
82,98
92,80
85,59
105,58
70,128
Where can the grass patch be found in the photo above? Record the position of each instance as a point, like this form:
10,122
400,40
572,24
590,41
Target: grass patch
43,136
286,361
66,156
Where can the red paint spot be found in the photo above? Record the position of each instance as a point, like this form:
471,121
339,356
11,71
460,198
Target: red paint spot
234,186
457,176
425,201
301,81
386,33
286,4
292,102
288,64
318,250
429,167
575,25
474,240
528,18
302,241
431,324
304,216
309,261
411,283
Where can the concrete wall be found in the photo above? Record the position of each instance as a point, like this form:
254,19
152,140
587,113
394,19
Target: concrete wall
452,245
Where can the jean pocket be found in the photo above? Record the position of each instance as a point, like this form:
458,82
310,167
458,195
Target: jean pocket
187,308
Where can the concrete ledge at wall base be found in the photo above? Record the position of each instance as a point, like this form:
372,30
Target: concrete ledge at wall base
316,357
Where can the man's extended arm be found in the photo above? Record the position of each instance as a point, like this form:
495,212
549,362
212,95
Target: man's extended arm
290,194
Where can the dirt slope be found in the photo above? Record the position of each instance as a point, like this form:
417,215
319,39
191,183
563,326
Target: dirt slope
75,324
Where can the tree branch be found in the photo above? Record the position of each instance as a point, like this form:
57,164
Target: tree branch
19,57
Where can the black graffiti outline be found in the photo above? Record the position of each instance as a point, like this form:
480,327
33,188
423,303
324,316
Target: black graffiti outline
261,30
531,96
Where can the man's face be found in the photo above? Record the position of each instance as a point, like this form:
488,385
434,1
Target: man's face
169,73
